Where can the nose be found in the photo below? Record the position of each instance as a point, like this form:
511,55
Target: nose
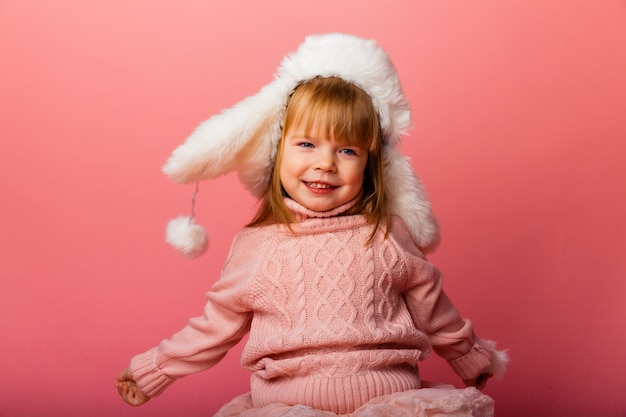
325,162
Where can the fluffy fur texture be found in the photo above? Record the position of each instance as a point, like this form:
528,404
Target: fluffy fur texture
186,236
244,138
499,360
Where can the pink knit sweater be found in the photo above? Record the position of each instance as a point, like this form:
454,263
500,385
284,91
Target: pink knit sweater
333,322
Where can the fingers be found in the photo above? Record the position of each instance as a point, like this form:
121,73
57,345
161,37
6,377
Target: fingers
123,387
128,389
123,390
129,395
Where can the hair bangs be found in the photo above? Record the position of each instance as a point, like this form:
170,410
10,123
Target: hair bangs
337,110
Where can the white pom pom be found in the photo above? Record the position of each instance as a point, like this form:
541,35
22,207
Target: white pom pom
187,236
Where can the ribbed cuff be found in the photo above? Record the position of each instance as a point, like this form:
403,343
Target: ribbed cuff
473,363
150,380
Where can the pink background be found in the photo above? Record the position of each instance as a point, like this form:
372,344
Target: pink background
520,137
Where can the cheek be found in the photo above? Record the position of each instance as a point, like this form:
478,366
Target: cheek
286,172
357,177
362,171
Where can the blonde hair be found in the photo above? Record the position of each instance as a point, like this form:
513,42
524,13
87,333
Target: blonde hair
342,111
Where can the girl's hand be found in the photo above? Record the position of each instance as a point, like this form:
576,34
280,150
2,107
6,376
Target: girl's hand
128,389
479,382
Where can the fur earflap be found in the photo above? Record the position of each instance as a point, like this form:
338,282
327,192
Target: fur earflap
241,138
408,200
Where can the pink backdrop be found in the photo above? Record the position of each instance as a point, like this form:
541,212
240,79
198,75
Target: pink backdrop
519,135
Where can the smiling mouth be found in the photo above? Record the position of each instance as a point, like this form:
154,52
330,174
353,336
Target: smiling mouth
320,185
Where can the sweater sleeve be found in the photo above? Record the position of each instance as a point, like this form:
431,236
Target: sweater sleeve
451,336
206,339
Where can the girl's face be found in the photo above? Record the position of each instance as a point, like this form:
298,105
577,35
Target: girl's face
320,173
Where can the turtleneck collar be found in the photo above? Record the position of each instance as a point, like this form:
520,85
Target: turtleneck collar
301,213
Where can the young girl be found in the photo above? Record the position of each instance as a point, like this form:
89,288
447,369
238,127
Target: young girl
329,279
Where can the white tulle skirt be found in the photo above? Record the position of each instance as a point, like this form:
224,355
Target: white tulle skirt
438,401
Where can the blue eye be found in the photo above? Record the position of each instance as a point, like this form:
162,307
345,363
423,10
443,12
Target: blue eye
348,151
305,144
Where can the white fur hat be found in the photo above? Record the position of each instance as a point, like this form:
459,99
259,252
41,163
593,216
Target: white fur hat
245,137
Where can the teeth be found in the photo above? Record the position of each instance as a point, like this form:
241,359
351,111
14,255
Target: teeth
320,186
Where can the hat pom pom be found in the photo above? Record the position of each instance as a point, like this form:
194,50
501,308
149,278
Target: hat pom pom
187,236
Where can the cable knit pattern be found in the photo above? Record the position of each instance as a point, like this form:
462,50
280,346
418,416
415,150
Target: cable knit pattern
333,322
